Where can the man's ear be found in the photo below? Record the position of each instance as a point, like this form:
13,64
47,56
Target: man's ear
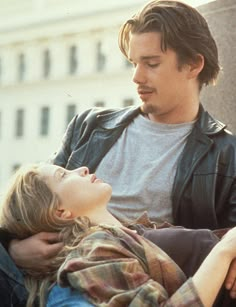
65,214
196,66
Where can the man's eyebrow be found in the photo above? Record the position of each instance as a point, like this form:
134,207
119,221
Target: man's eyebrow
150,57
147,57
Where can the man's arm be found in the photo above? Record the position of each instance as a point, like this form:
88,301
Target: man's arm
229,218
35,252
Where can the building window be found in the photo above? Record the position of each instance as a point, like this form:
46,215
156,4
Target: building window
44,124
0,124
46,63
21,67
99,104
1,70
73,62
20,122
128,102
70,113
101,58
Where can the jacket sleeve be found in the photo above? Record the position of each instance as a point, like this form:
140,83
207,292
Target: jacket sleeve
70,139
115,274
5,238
228,218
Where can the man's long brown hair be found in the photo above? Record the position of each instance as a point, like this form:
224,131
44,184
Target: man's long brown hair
182,28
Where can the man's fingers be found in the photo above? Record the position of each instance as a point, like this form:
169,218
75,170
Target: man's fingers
50,237
54,249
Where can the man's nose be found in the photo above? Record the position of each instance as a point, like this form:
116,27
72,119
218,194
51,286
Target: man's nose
139,75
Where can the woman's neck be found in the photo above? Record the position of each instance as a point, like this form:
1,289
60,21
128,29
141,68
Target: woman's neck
103,216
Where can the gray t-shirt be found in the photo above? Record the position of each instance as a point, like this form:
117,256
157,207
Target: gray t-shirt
141,167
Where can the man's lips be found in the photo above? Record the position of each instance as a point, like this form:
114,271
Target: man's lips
145,90
142,91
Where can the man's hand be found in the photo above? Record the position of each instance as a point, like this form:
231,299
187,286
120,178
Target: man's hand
35,253
230,280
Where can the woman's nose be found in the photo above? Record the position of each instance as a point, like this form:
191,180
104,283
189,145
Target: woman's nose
83,171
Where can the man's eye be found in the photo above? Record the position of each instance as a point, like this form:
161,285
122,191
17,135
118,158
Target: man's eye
153,65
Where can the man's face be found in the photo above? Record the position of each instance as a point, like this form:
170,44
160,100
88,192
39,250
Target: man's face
162,85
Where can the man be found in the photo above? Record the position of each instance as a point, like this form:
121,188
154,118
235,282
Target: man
168,157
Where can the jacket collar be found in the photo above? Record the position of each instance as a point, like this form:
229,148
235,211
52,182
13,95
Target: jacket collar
207,123
120,117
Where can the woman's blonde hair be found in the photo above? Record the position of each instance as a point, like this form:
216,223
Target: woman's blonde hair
29,207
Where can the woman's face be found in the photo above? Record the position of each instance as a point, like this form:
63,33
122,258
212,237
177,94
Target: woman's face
79,191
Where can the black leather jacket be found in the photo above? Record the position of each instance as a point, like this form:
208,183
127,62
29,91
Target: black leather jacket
204,190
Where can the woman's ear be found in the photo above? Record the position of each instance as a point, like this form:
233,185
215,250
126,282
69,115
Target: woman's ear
65,214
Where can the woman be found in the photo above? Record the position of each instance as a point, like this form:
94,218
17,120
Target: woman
112,264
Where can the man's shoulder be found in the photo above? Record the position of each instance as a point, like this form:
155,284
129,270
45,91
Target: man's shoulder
227,137
213,127
105,114
224,139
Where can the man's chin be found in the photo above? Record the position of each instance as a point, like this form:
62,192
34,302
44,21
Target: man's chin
143,107
146,108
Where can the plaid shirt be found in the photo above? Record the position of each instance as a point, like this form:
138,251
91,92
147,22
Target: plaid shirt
115,267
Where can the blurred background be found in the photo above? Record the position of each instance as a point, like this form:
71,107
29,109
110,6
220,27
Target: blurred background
60,57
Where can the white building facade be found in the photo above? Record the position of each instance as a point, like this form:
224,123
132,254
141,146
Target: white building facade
57,58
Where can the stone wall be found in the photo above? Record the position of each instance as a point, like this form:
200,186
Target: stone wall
220,100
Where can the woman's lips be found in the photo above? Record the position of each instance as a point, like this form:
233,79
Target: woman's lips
98,180
94,179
